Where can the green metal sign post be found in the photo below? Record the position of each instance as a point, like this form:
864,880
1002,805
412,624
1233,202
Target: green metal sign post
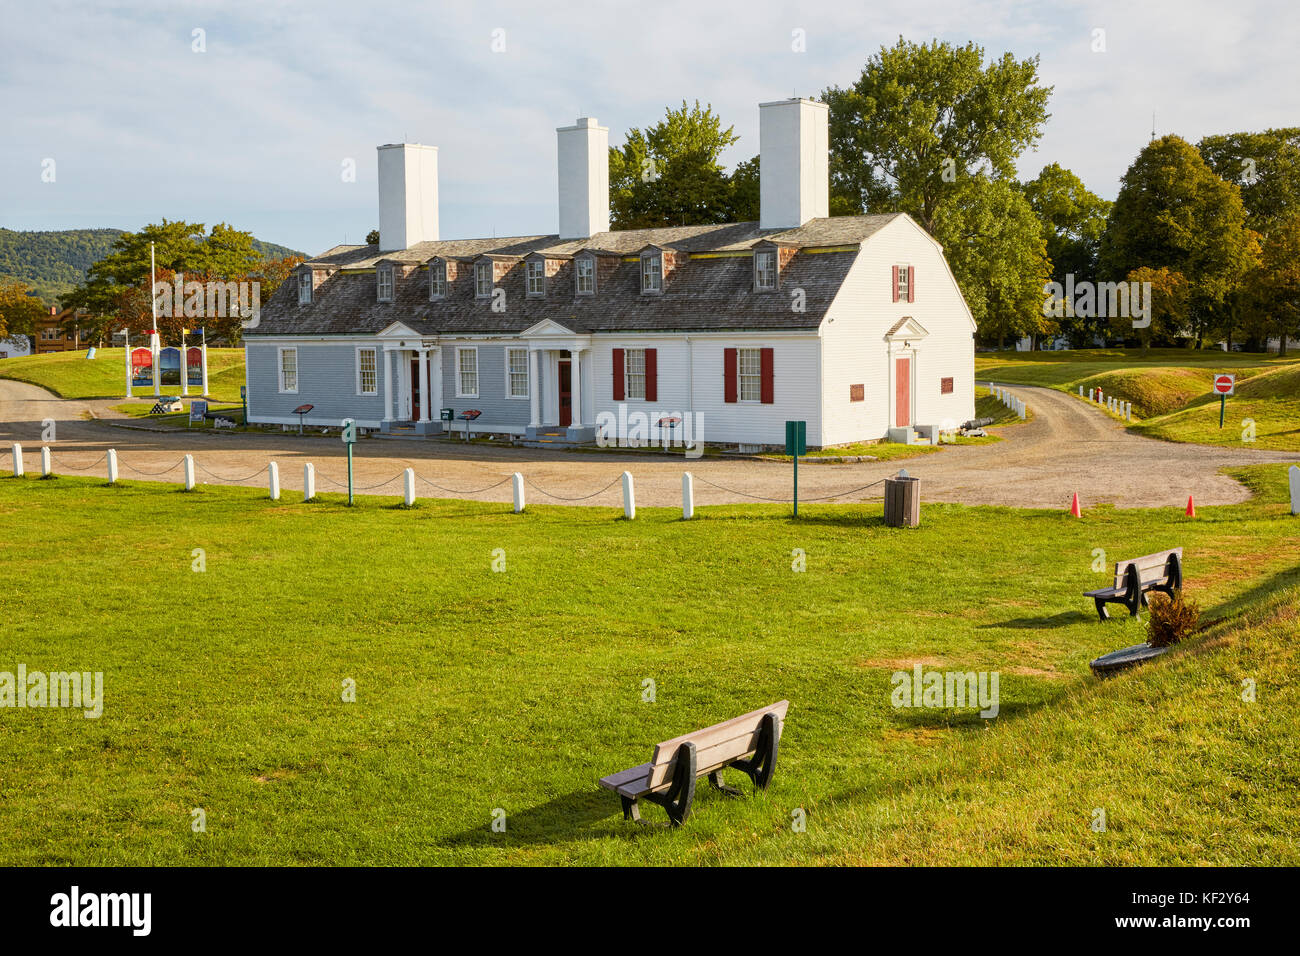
243,398
349,439
1224,385
796,444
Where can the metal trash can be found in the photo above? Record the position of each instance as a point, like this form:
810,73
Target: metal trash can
902,502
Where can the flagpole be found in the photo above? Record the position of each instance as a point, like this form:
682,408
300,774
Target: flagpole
153,332
126,348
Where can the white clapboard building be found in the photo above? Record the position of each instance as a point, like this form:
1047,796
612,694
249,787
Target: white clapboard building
852,324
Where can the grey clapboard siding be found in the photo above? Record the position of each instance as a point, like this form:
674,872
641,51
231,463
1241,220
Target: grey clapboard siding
326,380
491,400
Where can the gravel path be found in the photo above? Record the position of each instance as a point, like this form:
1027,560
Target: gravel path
1068,447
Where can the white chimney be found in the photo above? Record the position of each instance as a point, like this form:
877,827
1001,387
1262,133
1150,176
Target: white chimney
584,179
408,195
794,163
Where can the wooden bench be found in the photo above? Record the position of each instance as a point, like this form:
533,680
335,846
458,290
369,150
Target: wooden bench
748,743
1162,571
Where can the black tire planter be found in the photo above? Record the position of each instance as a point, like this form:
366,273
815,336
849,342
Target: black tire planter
1116,661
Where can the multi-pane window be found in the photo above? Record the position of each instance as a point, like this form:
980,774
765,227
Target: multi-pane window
517,372
586,276
483,280
634,373
288,370
385,277
437,280
467,372
651,273
902,283
536,273
765,270
367,379
749,369
304,288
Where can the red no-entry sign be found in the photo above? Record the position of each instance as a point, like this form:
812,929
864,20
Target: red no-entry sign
1224,384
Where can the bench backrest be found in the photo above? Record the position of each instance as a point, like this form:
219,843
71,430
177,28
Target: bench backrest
1151,568
715,746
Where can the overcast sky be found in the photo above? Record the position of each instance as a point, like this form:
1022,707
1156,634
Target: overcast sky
255,131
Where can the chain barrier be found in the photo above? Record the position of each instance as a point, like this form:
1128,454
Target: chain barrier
580,497
224,478
153,474
461,491
63,464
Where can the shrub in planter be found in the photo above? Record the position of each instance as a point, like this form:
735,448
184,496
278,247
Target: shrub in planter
1171,619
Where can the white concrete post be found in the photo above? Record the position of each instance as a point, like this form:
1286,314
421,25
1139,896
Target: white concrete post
517,484
17,451
308,482
112,465
1293,473
408,487
189,472
629,497
273,471
45,462
688,496
1128,411
1081,391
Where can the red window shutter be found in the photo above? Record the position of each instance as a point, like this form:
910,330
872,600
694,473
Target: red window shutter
768,387
618,375
652,375
911,283
728,375
895,282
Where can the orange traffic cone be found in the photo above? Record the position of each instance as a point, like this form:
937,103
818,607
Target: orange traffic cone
1191,507
1074,507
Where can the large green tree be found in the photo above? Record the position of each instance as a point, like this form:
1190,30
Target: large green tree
1174,212
921,118
994,244
1265,166
20,309
670,174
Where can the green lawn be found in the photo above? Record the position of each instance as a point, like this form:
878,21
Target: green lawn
72,375
478,690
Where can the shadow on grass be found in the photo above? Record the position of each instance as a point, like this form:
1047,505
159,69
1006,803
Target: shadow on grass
565,819
1063,619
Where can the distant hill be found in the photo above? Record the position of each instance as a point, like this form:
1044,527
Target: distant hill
53,262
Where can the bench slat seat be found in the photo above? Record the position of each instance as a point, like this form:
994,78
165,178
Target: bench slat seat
748,742
1135,577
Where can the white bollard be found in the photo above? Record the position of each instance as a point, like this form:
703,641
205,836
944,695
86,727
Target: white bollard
1294,474
517,484
112,466
189,472
629,497
688,496
308,482
408,487
18,460
1080,391
1128,411
273,470
45,463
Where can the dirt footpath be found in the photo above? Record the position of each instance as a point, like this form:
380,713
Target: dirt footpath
1068,447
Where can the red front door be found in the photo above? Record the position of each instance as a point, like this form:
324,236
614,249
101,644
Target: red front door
416,404
566,395
902,392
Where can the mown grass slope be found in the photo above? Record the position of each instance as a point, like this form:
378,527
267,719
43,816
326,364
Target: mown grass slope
72,375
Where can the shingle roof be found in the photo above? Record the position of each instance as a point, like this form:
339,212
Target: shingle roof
708,293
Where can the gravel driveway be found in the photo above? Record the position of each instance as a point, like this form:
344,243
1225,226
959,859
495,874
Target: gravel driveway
1068,447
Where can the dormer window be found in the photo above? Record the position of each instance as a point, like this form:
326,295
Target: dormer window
483,280
384,281
586,275
652,273
437,280
765,270
535,271
304,288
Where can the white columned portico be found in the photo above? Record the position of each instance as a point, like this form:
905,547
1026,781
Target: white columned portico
575,383
424,384
388,384
534,391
